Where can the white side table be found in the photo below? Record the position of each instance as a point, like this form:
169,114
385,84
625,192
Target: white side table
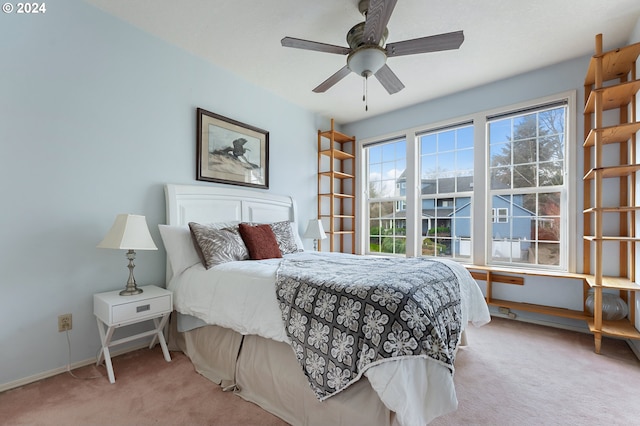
113,311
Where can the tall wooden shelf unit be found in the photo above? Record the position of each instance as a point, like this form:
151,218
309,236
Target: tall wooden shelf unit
336,188
610,88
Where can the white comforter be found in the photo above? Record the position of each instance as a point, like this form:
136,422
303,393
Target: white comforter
241,296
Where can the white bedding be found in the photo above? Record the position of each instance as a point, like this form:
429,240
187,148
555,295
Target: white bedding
241,296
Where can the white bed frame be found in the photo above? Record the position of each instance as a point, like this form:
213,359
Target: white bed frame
207,204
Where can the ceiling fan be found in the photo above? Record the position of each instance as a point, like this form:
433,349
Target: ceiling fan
367,53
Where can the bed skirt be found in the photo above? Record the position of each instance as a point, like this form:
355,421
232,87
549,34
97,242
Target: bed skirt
267,373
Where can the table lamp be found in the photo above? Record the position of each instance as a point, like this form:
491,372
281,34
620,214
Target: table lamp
315,231
129,232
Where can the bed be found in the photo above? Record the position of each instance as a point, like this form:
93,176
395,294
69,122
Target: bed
232,320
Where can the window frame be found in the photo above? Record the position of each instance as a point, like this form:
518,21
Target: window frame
481,213
447,199
568,190
362,207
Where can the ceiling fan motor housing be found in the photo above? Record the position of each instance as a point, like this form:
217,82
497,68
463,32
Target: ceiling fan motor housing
355,36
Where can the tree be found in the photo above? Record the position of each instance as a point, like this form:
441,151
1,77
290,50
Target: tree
535,150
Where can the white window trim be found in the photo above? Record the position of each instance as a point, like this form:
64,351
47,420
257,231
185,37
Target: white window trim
570,231
480,219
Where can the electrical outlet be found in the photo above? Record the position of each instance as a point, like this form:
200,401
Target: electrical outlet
65,322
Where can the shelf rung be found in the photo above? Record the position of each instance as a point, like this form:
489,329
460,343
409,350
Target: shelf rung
337,136
337,154
615,63
613,96
337,175
622,329
612,171
612,134
546,310
615,283
335,194
619,209
611,238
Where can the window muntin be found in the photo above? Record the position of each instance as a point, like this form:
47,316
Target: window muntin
446,186
386,197
527,184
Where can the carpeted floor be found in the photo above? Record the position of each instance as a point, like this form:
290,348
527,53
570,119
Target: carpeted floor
511,373
148,391
515,373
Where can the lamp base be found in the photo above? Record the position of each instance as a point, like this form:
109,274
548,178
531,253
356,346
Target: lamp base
130,291
131,287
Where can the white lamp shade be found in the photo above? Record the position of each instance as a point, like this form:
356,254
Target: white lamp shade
129,232
315,230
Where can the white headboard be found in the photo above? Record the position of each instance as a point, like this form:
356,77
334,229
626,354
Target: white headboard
207,204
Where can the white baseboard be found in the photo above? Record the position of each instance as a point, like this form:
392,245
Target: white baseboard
56,371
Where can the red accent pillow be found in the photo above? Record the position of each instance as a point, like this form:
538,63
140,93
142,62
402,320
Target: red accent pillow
260,241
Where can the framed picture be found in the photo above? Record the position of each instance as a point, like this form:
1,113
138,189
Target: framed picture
231,152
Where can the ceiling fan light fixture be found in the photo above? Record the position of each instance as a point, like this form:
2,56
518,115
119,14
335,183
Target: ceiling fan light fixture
366,60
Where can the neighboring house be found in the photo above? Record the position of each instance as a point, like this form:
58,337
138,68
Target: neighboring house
513,224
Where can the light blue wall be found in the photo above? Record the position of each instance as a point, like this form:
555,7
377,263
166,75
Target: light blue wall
537,84
95,116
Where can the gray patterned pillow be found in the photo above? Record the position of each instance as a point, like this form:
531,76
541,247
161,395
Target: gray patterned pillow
284,236
216,246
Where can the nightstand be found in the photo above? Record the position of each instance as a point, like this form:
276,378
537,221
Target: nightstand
113,311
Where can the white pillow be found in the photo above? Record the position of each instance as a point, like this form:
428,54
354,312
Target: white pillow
180,250
294,229
179,245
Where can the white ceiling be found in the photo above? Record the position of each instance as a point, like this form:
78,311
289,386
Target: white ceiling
503,38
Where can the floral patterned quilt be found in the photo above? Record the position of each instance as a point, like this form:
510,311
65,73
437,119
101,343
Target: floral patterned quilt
345,315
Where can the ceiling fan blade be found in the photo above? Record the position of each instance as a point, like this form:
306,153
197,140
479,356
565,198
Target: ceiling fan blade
378,15
314,45
447,41
328,83
389,80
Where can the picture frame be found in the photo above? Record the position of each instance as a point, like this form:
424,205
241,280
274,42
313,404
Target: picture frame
231,152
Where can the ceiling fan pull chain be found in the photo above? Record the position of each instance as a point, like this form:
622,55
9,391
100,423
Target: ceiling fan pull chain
365,93
364,89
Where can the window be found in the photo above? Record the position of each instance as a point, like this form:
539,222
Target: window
446,182
490,188
502,215
386,197
526,173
